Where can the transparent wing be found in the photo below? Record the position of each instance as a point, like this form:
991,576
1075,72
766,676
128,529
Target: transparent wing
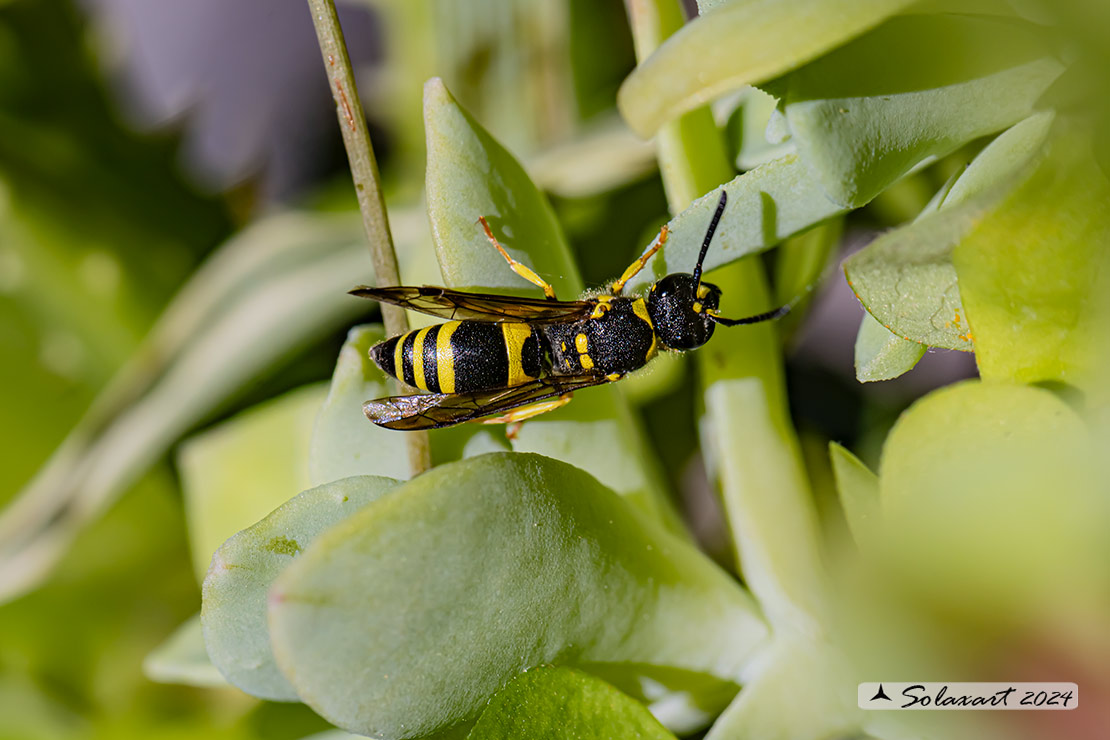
456,304
435,410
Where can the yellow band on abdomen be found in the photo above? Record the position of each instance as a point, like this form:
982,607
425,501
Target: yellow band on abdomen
445,358
418,359
515,334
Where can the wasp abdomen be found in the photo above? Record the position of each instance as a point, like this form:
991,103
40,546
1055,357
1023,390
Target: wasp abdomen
463,356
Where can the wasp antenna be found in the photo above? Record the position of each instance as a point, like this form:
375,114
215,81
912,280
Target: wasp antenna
758,318
709,235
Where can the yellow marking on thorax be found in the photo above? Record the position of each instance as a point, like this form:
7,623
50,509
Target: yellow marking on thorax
602,306
418,359
581,343
515,334
697,307
445,358
639,307
587,361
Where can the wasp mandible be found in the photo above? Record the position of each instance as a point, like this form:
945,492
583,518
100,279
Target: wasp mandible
527,356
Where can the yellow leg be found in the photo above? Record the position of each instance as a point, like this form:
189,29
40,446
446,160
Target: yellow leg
518,415
520,269
638,265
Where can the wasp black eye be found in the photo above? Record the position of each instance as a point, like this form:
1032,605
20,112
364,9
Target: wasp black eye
677,305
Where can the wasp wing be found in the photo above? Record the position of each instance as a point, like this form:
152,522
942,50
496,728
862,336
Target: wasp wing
456,304
435,410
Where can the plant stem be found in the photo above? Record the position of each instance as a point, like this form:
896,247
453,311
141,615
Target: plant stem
364,172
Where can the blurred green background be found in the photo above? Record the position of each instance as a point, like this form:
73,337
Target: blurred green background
136,137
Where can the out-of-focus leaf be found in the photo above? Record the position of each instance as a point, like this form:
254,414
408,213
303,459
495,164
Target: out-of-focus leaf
199,365
1002,476
1035,272
183,659
405,618
556,703
604,157
767,708
740,43
767,500
916,87
234,606
344,442
471,175
858,488
765,205
236,473
881,354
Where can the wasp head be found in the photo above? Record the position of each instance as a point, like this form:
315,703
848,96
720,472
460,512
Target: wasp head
678,306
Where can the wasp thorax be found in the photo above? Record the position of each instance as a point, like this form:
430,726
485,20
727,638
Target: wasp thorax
677,305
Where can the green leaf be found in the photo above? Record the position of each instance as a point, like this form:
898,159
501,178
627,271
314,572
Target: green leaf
344,442
1001,160
182,659
916,87
881,354
999,475
858,488
768,503
471,175
749,125
407,617
239,471
767,706
740,43
550,703
906,279
765,205
1034,273
234,605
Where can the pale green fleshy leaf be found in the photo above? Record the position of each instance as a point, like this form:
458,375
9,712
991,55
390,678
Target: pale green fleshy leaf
182,659
740,43
471,175
914,88
1035,273
344,441
765,205
767,500
767,707
858,489
555,703
234,605
239,471
406,618
1000,475
881,354
906,279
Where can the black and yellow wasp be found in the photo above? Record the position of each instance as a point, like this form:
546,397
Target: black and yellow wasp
526,356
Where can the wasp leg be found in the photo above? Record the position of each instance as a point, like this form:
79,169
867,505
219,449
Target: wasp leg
638,265
518,415
520,269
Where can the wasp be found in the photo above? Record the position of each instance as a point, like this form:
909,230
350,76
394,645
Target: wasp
527,356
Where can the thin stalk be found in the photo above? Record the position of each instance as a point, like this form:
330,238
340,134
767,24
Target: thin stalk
364,172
